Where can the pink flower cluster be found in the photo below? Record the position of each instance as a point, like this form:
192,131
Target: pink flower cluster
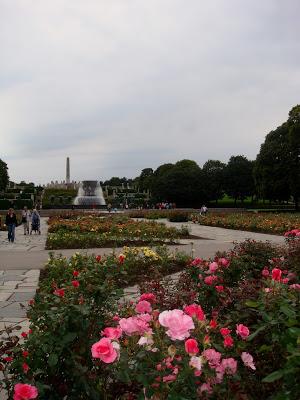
292,233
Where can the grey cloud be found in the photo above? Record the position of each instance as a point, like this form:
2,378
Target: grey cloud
125,84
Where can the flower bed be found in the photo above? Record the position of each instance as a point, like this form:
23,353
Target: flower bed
75,299
267,223
92,231
229,328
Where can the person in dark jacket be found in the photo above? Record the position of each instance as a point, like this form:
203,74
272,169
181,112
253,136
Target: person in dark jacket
11,223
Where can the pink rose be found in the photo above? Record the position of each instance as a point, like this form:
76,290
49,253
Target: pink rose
247,360
265,273
22,391
104,350
209,280
194,310
229,365
149,297
242,330
112,333
169,378
213,267
206,387
135,325
285,280
196,261
224,262
143,306
178,324
191,347
276,274
219,288
213,357
295,286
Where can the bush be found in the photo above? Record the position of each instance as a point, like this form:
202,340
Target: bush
5,204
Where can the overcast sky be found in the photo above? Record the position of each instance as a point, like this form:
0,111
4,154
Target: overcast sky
120,85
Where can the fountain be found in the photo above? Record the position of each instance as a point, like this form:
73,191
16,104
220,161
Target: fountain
89,194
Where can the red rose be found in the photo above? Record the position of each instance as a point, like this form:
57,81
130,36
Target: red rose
75,284
276,274
191,347
228,341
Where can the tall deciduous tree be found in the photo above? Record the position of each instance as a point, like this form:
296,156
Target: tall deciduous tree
4,178
277,170
214,175
239,178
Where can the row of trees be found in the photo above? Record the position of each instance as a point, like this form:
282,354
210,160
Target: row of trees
186,184
273,176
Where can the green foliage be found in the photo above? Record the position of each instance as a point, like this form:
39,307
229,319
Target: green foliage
277,170
4,178
239,177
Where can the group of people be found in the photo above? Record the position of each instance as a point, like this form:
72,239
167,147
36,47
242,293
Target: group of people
31,222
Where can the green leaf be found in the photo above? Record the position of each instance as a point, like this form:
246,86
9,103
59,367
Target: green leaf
252,336
287,311
274,376
52,360
251,303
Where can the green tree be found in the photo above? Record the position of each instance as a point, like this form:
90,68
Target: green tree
4,178
214,175
277,170
181,183
145,179
239,182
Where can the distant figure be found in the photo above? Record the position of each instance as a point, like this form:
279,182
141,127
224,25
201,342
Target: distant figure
11,223
109,207
26,217
203,210
35,222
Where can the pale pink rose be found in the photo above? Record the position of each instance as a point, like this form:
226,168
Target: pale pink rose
196,362
213,267
143,307
178,324
295,286
267,290
194,310
104,350
191,347
149,297
205,387
146,341
135,325
242,330
22,391
248,360
213,357
112,333
229,365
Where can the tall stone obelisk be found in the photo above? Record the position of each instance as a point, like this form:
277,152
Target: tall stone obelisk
68,171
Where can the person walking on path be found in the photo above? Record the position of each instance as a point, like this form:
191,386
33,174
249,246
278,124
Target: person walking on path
26,217
35,222
11,223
